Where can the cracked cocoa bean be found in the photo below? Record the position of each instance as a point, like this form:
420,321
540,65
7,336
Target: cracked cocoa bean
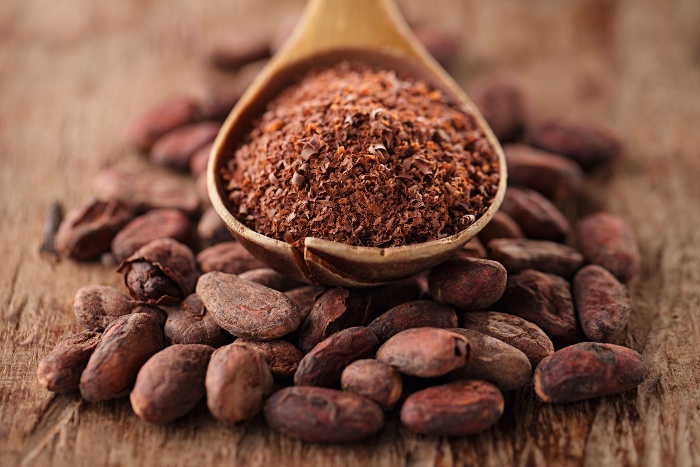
417,314
425,352
550,257
281,357
467,284
538,218
237,383
127,343
60,370
155,224
325,363
587,370
602,303
228,257
460,408
552,175
374,380
513,330
322,415
189,322
246,309
170,383
96,306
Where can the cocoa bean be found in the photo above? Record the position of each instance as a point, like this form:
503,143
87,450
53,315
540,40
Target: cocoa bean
606,240
513,330
503,104
144,187
167,115
586,143
158,315
387,296
211,229
501,225
519,254
442,45
374,380
199,161
127,343
552,175
96,306
170,383
190,323
587,370
228,257
176,148
472,249
247,309
467,284
60,370
602,303
161,273
494,361
215,102
319,415
325,363
460,408
281,357
87,230
538,218
248,72
545,300
237,382
305,297
417,314
425,352
270,278
238,49
156,224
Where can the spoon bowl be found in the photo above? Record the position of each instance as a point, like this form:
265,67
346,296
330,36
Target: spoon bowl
330,31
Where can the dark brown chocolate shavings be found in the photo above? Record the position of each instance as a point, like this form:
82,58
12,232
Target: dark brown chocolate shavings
364,158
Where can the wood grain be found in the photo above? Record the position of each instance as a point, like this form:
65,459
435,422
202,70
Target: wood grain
74,72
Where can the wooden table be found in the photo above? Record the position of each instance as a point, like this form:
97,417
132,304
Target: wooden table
72,73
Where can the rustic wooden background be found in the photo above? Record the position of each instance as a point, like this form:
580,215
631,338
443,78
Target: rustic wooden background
73,72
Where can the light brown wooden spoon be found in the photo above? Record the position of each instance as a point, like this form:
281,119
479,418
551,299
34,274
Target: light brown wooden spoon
373,32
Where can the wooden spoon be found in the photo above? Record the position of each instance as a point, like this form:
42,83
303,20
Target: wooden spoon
371,31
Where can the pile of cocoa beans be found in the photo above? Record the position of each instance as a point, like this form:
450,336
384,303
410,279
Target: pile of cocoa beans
532,302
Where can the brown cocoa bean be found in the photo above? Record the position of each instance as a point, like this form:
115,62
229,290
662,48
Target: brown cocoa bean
167,115
442,45
176,148
503,104
237,382
374,380
417,314
550,257
543,299
228,257
501,225
513,330
161,273
215,102
96,306
552,175
211,229
170,383
467,284
60,370
494,361
538,218
281,357
460,408
305,297
158,315
335,310
87,230
606,240
425,352
321,415
247,309
200,160
324,364
202,188
270,278
587,370
238,49
159,223
190,323
586,143
602,303
144,187
127,343
472,249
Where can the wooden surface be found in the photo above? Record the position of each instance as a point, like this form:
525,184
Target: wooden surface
73,72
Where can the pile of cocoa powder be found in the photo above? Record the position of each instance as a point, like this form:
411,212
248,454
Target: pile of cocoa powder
532,304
